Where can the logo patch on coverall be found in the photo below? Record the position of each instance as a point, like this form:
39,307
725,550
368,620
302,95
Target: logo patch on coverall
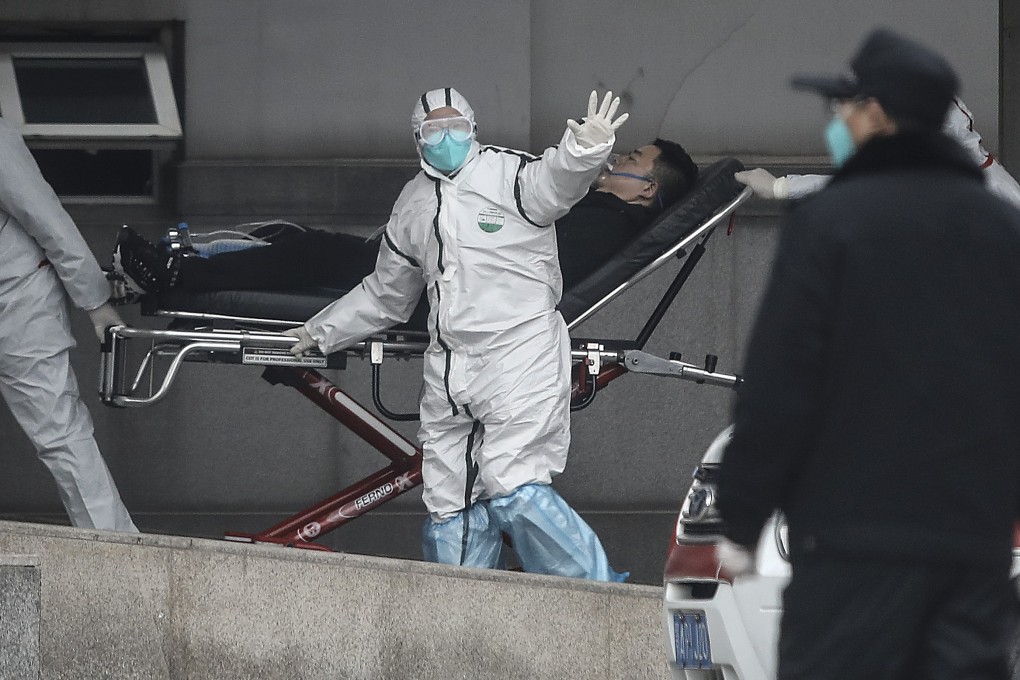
491,220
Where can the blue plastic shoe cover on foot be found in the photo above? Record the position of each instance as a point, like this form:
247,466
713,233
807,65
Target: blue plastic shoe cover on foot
549,537
479,544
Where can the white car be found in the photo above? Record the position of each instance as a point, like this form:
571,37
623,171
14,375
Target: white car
717,629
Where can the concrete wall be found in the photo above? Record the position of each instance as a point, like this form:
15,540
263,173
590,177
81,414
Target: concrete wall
714,75
324,79
279,96
161,608
20,605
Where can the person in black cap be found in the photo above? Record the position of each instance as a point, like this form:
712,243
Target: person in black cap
881,407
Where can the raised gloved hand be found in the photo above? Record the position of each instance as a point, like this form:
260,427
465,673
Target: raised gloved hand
734,559
763,183
304,341
598,126
103,317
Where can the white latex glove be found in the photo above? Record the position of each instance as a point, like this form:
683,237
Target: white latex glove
599,126
304,343
763,183
734,559
103,317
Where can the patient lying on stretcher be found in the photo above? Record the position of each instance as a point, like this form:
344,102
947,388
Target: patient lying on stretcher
624,200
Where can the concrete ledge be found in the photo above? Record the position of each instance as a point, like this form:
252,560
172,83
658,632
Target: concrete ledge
19,617
144,606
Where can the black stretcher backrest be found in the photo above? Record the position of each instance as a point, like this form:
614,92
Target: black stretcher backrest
715,187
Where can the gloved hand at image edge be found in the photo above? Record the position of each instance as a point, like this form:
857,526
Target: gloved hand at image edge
734,559
598,126
103,317
304,341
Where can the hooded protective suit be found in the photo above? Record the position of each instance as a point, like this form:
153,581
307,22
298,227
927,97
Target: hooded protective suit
42,254
960,126
495,411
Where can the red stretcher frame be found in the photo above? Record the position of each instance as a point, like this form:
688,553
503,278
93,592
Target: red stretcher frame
303,528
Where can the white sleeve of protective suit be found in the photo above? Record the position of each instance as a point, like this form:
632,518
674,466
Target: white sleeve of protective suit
799,186
551,185
28,198
384,298
1001,183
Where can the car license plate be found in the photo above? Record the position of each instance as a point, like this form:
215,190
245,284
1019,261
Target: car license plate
690,637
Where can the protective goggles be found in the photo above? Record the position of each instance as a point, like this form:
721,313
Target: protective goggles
459,128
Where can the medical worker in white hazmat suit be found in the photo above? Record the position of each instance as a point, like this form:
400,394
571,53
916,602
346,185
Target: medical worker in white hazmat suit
43,259
474,228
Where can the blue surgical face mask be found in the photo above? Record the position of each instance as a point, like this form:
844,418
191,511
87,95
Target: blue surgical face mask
840,141
447,155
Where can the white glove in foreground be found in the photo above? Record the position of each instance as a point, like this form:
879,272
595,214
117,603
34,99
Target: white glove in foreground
734,560
599,126
763,183
304,343
103,317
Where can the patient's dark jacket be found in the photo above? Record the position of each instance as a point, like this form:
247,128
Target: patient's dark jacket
594,229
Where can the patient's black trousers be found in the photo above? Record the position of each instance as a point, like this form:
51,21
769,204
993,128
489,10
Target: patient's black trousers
307,259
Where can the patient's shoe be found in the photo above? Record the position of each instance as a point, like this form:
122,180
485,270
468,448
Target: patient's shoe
121,293
142,264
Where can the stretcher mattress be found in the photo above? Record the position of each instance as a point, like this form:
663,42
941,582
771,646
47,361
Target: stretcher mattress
714,188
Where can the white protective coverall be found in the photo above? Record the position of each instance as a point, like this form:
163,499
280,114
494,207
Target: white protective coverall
960,126
42,255
497,370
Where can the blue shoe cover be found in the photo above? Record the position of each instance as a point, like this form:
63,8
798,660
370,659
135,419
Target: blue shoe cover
479,544
549,537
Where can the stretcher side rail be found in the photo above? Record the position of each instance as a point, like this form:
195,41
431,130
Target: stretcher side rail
263,348
676,250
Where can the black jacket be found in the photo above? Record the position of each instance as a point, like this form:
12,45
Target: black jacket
881,409
594,230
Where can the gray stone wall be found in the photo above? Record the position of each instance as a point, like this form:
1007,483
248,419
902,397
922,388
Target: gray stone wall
20,604
167,608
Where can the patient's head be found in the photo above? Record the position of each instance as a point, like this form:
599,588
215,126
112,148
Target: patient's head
653,175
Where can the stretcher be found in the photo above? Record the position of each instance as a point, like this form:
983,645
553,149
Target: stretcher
244,327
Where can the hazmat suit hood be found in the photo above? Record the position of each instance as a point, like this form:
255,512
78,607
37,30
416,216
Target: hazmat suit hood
437,99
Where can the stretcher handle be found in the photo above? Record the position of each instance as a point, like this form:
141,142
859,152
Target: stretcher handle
637,361
171,372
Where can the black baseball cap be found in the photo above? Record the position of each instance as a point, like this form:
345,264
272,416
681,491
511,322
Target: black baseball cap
912,83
